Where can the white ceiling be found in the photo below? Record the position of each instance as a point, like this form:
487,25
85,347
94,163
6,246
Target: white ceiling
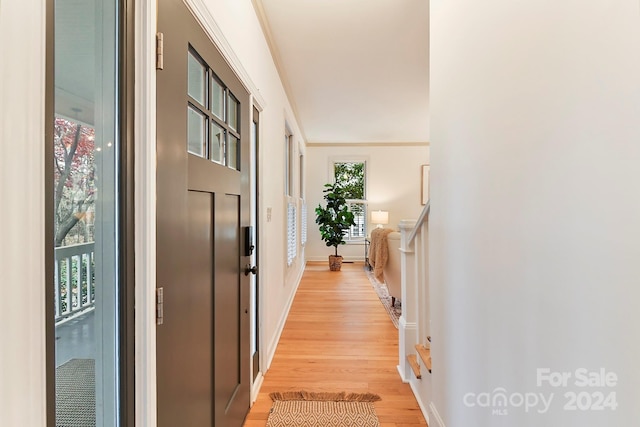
356,70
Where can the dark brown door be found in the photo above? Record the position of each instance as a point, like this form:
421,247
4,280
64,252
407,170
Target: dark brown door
203,129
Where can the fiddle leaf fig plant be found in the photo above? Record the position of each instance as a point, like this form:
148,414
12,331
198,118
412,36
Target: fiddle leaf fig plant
334,219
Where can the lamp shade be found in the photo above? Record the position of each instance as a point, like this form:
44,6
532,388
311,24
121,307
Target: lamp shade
380,217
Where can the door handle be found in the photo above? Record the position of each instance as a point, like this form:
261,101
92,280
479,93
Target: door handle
248,269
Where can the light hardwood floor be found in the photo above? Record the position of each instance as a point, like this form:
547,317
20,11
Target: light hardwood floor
338,337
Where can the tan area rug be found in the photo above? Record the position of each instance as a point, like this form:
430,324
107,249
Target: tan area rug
305,409
394,311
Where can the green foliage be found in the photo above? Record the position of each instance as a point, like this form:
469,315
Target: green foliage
75,182
350,175
336,218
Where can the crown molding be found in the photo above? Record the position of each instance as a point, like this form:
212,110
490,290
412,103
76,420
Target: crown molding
258,7
368,144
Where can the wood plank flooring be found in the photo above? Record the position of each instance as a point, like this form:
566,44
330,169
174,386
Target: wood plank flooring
338,337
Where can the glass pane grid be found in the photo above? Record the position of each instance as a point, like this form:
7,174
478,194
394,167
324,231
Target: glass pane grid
196,132
233,152
218,98
359,230
197,79
217,143
232,112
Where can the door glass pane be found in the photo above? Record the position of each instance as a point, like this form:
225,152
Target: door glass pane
232,149
217,99
233,112
196,132
86,212
217,143
197,79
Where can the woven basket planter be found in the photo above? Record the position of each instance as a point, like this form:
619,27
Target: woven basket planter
335,262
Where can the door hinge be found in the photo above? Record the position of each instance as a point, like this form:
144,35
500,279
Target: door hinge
159,306
159,51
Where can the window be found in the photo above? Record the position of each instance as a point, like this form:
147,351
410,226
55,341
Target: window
88,153
213,116
351,175
301,176
303,204
289,192
288,164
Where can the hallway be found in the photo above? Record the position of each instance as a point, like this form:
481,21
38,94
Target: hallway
338,337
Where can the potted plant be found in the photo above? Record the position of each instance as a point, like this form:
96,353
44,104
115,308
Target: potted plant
333,221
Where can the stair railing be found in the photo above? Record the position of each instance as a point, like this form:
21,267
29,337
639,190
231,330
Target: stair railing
414,324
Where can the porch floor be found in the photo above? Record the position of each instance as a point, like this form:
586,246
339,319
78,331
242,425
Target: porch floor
76,339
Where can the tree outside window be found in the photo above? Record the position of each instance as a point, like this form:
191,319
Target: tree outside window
75,182
351,176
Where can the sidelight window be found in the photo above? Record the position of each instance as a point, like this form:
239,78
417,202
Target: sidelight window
88,283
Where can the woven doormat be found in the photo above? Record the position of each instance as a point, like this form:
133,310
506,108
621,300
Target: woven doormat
76,393
305,409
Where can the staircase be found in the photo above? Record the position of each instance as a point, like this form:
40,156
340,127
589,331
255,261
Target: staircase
414,326
425,357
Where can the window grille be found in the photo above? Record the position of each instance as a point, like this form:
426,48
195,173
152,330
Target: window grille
359,230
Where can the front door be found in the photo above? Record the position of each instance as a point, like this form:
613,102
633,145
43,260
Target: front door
203,136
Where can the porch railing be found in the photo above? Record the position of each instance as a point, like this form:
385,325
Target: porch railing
74,280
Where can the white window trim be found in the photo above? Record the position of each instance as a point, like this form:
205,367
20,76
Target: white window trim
293,151
331,173
289,166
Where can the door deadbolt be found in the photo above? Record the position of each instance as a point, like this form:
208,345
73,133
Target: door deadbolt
248,269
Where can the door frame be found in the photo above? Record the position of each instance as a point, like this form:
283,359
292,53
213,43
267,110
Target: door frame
257,377
145,30
145,214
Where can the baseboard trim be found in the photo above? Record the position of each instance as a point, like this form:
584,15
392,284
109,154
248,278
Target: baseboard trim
344,259
436,415
402,377
255,388
273,345
421,404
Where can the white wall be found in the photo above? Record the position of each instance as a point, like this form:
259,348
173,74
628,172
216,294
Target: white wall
535,219
22,275
393,184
